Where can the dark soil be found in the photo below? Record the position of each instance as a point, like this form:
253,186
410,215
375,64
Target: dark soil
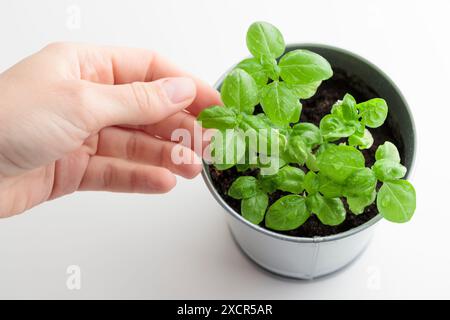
315,109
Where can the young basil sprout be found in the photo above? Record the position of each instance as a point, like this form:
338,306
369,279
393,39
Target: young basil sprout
315,171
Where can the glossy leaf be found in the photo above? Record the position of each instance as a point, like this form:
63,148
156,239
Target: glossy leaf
349,110
396,201
305,91
373,112
303,67
345,109
279,103
296,115
264,39
328,187
287,213
271,164
309,133
254,208
265,138
387,151
311,162
323,147
387,170
268,183
330,211
227,148
311,182
364,141
239,91
270,67
290,179
217,117
243,187
360,182
254,68
338,162
296,150
334,128
357,204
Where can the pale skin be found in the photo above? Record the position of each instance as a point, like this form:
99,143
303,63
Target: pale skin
80,117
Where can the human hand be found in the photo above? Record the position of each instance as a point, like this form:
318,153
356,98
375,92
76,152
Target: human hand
78,117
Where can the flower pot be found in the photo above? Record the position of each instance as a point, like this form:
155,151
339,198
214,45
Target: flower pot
307,258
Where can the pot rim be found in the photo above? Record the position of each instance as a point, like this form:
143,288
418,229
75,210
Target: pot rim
315,239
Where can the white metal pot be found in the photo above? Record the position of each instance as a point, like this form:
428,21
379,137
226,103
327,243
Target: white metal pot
307,258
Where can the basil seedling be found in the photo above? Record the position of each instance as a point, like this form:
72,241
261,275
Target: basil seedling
318,167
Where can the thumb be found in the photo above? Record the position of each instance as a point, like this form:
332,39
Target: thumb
139,102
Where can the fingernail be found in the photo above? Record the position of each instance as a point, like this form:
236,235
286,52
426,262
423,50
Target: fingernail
179,89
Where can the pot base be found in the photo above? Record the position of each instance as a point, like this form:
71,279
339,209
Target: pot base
299,258
281,273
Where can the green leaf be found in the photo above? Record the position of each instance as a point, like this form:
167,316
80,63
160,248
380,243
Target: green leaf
360,182
304,91
287,213
359,203
217,117
268,183
264,39
290,179
373,112
387,151
254,68
239,91
270,164
303,67
396,201
227,148
270,67
323,147
296,115
279,103
311,182
334,128
311,162
265,138
345,109
296,150
254,208
243,187
309,133
328,187
364,141
386,170
338,162
330,211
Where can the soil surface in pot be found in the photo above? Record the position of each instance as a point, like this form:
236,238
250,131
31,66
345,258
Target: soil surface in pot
313,110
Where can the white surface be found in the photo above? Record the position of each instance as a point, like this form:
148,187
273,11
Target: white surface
176,245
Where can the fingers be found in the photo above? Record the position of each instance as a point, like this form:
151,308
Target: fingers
117,175
115,65
141,147
136,103
180,127
206,95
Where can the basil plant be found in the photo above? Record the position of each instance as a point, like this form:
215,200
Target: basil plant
316,166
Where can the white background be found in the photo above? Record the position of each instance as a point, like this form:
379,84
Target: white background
177,245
